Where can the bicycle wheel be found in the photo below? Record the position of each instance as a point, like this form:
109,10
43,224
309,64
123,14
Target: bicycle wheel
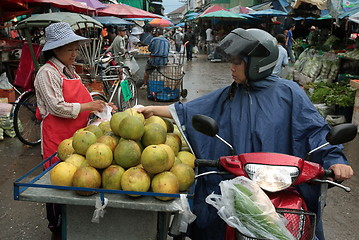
26,125
122,104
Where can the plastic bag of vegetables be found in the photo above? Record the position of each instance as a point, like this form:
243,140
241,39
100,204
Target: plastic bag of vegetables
243,205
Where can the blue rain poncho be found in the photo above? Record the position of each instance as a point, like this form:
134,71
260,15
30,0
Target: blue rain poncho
271,115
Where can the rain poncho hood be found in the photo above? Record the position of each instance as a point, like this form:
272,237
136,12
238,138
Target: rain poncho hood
270,115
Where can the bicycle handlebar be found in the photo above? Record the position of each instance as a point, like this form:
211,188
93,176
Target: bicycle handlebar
207,163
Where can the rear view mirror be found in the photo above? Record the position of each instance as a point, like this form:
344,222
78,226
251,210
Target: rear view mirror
342,133
205,125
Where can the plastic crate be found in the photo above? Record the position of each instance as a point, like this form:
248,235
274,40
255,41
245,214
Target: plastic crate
165,83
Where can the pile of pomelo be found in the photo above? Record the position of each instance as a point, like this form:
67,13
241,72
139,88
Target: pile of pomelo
128,153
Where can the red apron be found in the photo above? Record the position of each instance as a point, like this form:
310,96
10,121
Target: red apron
55,129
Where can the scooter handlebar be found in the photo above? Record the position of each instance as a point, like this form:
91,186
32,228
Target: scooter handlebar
207,163
329,173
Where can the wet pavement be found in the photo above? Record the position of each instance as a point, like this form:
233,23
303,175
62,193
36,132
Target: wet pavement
27,220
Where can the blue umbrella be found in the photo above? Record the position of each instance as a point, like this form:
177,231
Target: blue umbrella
268,13
111,20
180,24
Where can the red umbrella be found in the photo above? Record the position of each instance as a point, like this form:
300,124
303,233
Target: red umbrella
12,8
70,5
160,22
125,11
213,8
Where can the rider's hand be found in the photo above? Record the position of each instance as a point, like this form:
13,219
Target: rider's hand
342,172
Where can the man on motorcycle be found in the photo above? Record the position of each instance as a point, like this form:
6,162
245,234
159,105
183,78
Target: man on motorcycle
258,112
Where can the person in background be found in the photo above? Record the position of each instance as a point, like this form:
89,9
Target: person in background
178,39
189,37
282,56
64,104
147,36
289,43
209,39
134,38
257,112
118,46
159,48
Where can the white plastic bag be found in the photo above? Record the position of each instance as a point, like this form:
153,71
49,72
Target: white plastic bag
103,116
132,64
243,205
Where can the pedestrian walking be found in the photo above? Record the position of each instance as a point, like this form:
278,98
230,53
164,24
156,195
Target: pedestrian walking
289,43
189,37
282,56
178,39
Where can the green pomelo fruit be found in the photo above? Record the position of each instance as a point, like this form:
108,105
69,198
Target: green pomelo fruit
105,126
185,175
154,159
153,134
116,120
174,141
156,119
133,112
99,155
171,156
186,158
109,141
135,179
77,160
81,141
95,129
127,154
65,149
131,128
86,177
165,182
111,177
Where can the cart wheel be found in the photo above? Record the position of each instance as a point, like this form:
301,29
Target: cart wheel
184,93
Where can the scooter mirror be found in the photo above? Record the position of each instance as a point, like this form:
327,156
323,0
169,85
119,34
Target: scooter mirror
204,124
342,133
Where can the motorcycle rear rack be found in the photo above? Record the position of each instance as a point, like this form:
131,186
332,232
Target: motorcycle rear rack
300,223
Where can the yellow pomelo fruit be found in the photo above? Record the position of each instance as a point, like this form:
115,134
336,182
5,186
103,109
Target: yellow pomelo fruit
135,179
171,156
133,112
177,161
154,159
186,158
174,141
153,134
111,177
131,128
82,140
86,177
77,160
127,153
156,119
65,149
62,174
185,175
112,134
116,120
95,129
109,141
99,155
165,182
105,126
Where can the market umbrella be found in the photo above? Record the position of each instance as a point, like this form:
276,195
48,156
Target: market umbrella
10,9
213,8
160,22
70,5
111,20
180,24
354,17
268,13
93,3
76,21
222,14
125,11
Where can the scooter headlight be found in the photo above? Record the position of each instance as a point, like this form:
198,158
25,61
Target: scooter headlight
272,178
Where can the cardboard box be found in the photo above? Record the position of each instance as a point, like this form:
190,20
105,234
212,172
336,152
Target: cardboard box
8,93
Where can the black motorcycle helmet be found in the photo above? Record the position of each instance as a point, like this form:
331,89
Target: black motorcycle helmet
257,46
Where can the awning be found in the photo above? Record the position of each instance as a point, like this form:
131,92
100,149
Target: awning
125,11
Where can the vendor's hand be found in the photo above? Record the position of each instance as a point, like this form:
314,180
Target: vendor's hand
114,107
342,172
96,105
146,111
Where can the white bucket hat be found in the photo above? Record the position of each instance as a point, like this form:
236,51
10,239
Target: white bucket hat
136,31
60,34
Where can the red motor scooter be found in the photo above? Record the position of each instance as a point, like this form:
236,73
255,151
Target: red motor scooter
277,174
